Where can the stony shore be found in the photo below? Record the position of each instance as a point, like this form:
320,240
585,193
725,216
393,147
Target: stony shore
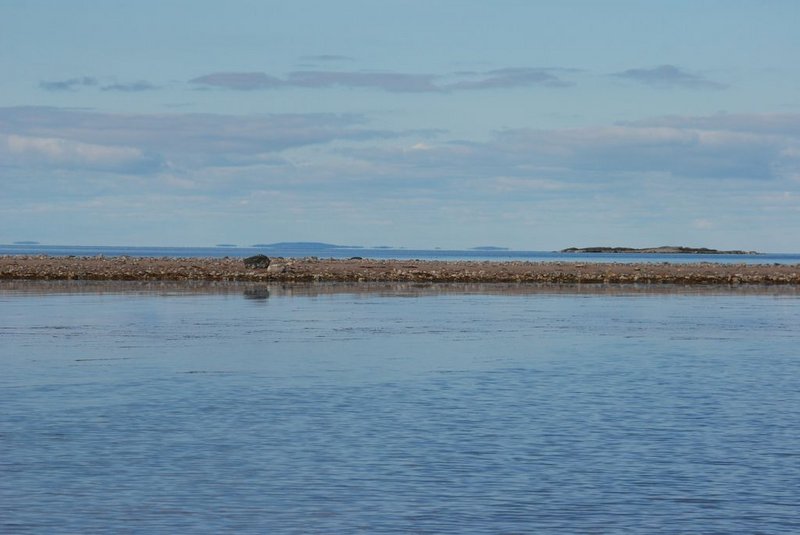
126,268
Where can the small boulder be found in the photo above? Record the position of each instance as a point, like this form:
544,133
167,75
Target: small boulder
278,267
258,261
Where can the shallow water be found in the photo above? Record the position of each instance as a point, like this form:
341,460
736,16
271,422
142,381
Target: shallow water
305,250
400,409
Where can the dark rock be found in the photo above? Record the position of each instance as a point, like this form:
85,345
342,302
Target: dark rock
258,261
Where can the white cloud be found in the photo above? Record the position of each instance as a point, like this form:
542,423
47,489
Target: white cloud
140,142
702,224
43,151
511,184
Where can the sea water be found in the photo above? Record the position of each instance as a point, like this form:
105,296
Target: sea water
162,408
301,250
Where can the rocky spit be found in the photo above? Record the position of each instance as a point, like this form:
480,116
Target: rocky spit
357,270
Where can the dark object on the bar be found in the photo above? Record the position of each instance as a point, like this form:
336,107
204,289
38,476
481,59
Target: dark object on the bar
258,261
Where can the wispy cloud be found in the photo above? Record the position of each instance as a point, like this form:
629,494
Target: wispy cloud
132,87
782,124
690,148
512,77
387,81
668,76
243,81
246,81
326,58
397,82
633,152
73,84
70,84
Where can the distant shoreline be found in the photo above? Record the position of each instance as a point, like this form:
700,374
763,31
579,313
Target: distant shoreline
122,268
664,249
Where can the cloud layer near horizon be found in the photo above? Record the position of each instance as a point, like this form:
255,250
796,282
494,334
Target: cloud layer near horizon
755,147
318,175
197,139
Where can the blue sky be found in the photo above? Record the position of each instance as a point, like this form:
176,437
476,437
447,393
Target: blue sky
530,125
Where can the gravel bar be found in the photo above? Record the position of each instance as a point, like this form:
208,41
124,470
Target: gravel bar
129,268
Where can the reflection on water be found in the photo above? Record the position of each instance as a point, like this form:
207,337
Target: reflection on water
458,408
259,291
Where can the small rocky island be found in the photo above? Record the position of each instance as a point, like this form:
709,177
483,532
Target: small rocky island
665,249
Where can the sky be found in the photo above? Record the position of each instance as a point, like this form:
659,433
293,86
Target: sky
533,125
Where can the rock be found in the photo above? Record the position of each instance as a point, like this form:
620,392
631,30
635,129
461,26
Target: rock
277,268
258,261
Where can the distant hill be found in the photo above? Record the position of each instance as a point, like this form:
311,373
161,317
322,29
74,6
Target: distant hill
304,245
665,249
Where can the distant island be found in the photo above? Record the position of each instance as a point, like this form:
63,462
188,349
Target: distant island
304,245
665,249
489,248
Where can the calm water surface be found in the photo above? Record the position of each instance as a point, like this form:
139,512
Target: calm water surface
162,409
304,250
